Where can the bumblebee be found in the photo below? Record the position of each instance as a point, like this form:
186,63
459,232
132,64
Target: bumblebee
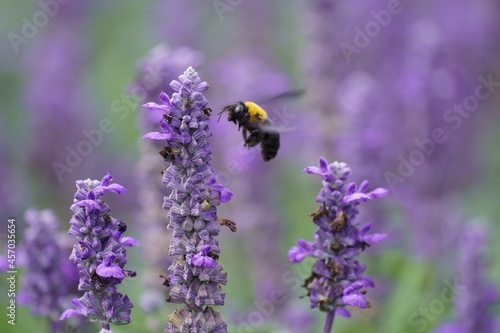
257,127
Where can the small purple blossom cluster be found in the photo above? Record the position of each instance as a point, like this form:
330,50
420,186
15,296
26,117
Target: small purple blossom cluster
196,275
474,307
476,296
337,276
50,278
100,254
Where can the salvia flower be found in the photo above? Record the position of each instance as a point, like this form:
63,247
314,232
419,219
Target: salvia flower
100,255
202,258
55,90
476,296
196,275
337,276
154,72
50,280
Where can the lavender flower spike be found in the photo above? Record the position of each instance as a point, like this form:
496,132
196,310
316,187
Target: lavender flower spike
477,296
50,280
196,275
337,276
100,255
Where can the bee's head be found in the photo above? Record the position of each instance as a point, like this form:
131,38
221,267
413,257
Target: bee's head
234,112
239,109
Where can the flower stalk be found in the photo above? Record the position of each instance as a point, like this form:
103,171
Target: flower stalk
195,277
330,316
100,255
50,280
337,278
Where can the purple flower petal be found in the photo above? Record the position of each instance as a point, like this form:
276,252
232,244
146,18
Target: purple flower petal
106,180
203,261
89,204
115,188
356,299
202,258
313,170
205,249
129,241
374,238
365,228
153,107
110,270
356,197
176,85
201,86
156,136
166,127
354,286
224,193
342,311
378,193
296,254
69,313
165,99
323,164
368,282
91,195
363,186
351,188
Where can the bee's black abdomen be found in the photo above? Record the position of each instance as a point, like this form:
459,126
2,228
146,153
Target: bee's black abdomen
270,145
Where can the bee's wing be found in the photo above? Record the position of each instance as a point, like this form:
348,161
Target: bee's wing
269,126
287,94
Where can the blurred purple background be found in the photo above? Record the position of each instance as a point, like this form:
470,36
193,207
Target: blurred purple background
405,92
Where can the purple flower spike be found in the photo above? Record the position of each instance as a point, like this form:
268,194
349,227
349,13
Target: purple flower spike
337,277
195,277
51,278
100,255
477,296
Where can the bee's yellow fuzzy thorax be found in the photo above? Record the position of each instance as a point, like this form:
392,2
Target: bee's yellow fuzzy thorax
255,111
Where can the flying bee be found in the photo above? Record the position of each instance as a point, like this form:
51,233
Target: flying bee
257,127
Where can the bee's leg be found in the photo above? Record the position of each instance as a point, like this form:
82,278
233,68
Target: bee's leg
244,132
253,139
